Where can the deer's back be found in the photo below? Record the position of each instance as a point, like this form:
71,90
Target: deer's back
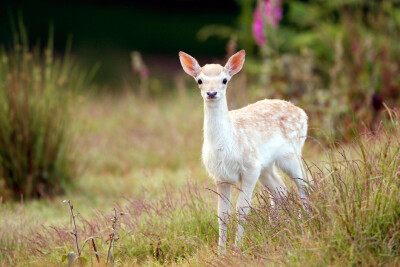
268,118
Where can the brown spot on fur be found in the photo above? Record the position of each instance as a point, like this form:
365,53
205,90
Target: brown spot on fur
270,116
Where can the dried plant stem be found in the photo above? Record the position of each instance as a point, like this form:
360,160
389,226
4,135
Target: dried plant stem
75,232
95,250
108,252
112,238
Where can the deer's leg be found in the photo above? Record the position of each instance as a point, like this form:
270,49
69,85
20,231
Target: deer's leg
224,196
274,184
249,181
292,165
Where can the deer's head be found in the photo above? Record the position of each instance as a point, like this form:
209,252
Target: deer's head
212,78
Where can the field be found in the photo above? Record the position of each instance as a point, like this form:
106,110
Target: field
149,169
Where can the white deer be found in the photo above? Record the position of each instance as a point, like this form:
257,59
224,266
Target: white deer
243,146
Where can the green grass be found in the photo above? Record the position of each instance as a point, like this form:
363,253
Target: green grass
142,156
36,89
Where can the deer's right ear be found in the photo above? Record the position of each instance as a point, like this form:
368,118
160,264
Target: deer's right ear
189,64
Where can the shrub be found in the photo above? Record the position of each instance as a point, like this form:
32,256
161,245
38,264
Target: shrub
337,60
35,91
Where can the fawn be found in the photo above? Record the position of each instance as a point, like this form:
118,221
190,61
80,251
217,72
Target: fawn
243,146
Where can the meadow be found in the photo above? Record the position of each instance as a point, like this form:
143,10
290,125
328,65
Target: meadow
98,177
148,168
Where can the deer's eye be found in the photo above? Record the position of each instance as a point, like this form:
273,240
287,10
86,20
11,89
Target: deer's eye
224,81
199,81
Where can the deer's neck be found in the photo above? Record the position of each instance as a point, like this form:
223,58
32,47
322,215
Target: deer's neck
218,129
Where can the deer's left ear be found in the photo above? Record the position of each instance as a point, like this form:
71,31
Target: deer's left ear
189,64
235,62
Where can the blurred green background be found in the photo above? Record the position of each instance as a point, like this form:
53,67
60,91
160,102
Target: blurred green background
107,31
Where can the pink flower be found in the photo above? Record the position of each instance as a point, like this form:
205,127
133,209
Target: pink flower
144,72
273,12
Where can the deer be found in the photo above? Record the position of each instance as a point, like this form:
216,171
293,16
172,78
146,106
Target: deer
246,145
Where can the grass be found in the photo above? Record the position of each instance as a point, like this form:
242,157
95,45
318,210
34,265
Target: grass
35,91
142,157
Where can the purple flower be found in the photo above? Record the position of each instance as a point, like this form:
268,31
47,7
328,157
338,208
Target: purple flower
273,12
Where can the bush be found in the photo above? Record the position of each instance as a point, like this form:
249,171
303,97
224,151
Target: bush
35,91
337,60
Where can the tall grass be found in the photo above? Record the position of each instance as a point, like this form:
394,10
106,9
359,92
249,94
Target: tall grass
355,216
35,93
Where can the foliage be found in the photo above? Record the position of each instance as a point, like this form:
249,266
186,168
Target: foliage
338,60
35,90
353,51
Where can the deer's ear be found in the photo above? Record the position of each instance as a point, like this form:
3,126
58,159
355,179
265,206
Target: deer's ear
189,64
235,62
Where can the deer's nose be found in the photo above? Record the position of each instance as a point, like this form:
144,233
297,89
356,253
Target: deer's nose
211,94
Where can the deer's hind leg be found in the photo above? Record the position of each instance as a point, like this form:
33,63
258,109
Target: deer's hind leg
274,184
291,164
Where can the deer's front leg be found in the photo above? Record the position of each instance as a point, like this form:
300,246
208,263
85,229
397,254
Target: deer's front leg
224,196
244,202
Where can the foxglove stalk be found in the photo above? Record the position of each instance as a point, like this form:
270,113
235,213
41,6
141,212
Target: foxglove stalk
269,11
